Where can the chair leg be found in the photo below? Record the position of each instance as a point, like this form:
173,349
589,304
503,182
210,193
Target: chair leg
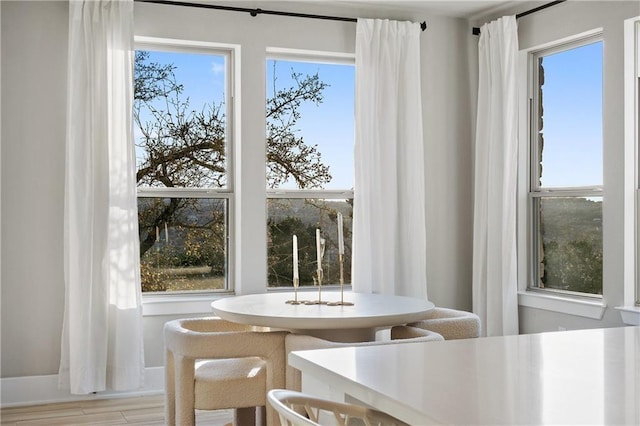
169,390
245,416
184,391
261,414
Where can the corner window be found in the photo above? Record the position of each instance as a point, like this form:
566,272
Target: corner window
309,168
182,147
565,187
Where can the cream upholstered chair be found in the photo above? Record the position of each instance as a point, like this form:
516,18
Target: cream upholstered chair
290,405
451,323
214,364
301,342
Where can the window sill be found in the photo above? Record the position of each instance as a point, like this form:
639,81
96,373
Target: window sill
155,305
630,314
566,305
200,303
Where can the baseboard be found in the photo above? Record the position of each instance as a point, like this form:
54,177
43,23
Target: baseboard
34,390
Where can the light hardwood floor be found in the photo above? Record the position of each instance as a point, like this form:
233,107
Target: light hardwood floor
146,410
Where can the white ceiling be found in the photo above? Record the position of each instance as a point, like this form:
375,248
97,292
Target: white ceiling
454,8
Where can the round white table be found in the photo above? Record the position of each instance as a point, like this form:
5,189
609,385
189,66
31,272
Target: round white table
358,322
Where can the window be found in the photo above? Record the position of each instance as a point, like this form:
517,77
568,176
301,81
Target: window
182,140
630,307
309,167
565,186
632,165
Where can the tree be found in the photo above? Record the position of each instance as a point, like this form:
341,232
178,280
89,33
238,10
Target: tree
184,148
309,215
287,154
281,255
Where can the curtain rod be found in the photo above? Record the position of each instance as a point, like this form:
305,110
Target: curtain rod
476,30
256,12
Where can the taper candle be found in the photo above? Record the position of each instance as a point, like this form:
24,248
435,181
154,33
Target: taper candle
295,260
340,235
318,249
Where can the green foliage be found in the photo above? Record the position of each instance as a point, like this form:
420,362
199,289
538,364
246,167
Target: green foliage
196,240
302,217
280,252
572,244
152,279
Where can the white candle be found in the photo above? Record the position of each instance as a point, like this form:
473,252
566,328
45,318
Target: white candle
340,235
318,249
157,234
295,260
166,233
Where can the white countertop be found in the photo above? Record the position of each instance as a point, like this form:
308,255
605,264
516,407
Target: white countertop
572,377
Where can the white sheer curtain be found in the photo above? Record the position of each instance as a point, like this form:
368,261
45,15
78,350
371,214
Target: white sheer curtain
389,241
494,217
102,331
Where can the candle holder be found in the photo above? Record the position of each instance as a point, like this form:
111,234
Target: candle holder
319,301
341,302
295,300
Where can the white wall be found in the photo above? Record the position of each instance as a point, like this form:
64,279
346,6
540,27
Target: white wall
34,45
34,54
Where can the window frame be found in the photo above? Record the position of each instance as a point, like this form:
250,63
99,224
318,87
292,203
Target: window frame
231,52
320,57
530,191
632,143
630,310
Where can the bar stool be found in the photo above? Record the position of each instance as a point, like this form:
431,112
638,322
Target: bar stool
214,364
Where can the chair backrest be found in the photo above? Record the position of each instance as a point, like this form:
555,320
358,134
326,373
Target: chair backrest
451,323
289,405
188,340
214,337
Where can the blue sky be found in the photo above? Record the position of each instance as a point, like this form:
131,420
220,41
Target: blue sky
202,76
572,100
328,125
572,96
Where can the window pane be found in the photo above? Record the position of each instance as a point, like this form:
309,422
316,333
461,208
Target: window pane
570,117
310,130
570,236
288,217
180,119
183,243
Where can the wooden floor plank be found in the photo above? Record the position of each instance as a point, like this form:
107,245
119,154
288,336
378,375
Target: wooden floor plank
105,406
144,415
138,411
50,413
42,407
115,418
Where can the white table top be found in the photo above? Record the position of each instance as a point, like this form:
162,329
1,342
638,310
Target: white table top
368,311
572,377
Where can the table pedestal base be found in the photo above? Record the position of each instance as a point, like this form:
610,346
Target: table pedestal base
345,335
